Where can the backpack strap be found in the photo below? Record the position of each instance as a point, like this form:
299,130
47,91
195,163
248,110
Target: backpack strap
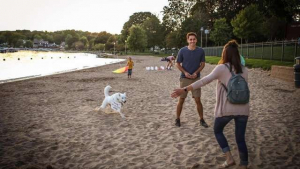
232,74
224,86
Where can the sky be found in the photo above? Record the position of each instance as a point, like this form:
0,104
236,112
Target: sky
85,15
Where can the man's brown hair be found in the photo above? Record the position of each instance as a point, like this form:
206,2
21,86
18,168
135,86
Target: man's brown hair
191,34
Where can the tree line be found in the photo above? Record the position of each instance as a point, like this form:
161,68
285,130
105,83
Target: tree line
245,20
74,39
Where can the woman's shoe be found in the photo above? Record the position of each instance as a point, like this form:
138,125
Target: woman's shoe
226,165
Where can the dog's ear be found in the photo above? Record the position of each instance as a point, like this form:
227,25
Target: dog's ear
125,93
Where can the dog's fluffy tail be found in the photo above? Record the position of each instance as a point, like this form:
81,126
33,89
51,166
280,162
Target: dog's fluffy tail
106,90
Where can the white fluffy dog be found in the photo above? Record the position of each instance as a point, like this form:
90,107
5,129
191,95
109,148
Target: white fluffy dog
116,99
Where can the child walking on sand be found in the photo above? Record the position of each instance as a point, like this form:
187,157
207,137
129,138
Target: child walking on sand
130,65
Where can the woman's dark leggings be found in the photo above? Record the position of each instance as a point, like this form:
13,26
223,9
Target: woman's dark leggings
240,129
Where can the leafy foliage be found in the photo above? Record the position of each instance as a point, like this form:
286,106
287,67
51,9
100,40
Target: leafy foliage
154,31
176,13
171,40
221,32
271,27
99,46
247,19
28,44
102,37
137,39
248,23
287,9
189,25
135,19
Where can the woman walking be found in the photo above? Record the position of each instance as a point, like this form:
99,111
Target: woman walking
225,110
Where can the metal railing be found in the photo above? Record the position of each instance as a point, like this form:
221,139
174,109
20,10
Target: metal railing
278,50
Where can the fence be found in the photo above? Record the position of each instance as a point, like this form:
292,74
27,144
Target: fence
279,50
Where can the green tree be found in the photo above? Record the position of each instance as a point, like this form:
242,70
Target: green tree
120,47
221,32
248,23
14,39
2,38
271,27
287,9
91,43
26,33
102,37
6,36
28,44
135,19
19,43
78,45
58,38
37,36
85,41
137,39
153,31
176,13
189,25
69,41
171,40
99,46
48,37
111,43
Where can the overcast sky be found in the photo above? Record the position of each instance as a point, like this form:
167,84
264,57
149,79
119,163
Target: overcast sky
85,15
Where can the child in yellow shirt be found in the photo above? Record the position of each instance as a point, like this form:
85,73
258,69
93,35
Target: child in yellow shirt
130,65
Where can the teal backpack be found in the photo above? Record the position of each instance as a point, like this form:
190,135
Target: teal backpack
237,89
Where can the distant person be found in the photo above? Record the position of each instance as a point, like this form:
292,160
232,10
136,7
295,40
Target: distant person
130,65
170,60
225,111
190,61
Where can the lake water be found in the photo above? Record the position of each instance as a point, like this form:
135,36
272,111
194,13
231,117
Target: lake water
29,64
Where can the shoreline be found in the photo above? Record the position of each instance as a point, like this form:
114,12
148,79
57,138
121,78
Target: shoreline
42,65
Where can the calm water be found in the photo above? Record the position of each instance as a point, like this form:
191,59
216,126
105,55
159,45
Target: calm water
29,64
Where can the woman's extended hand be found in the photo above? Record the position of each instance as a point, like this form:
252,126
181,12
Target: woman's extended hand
177,92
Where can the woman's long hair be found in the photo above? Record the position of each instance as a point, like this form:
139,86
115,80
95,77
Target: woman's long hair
231,55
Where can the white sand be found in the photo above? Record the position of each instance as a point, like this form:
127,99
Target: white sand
51,121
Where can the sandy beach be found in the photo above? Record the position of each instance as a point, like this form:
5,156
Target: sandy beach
51,122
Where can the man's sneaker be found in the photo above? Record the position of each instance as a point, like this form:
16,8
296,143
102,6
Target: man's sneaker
177,122
203,123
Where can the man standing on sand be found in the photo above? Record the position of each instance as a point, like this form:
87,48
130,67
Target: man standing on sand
190,61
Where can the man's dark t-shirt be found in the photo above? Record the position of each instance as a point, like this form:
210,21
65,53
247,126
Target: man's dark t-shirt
190,59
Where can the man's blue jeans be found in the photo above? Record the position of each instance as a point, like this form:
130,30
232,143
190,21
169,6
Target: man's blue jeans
240,129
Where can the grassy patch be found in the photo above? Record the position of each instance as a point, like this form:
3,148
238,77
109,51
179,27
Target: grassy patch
250,63
253,63
212,59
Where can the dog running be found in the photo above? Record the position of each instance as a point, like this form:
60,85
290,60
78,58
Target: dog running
117,98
